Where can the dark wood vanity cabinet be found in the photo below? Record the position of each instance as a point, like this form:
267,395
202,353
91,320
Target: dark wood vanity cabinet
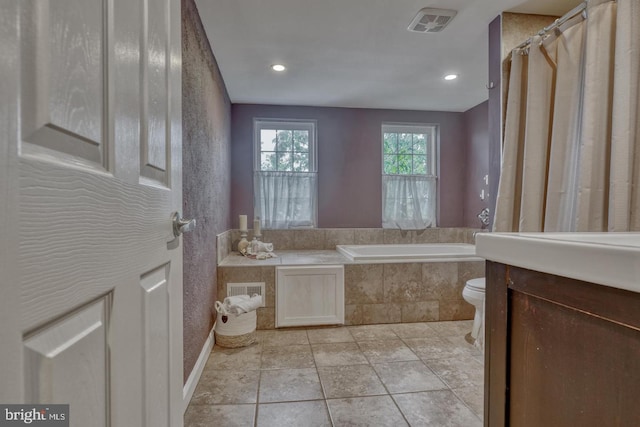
559,352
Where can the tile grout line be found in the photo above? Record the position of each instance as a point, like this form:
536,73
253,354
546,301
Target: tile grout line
370,364
315,365
256,413
465,404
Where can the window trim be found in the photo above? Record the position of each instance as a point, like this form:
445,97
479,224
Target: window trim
399,127
310,125
435,158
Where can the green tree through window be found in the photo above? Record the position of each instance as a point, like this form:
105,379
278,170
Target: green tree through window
406,153
284,150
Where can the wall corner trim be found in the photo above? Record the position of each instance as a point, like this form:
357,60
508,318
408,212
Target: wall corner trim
196,372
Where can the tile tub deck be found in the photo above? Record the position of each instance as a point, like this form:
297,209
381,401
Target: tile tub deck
375,293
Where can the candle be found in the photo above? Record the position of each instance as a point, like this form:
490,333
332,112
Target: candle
243,222
256,227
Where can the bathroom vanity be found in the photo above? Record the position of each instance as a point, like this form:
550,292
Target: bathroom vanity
562,329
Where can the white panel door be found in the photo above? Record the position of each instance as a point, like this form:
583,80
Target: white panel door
90,173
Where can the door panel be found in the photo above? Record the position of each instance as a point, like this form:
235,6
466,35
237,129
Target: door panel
155,287
64,68
76,343
154,140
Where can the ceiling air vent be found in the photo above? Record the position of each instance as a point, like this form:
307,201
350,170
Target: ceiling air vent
429,20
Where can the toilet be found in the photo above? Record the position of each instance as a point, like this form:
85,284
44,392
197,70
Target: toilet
473,293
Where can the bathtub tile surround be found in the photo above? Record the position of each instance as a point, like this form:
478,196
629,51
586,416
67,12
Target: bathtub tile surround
309,239
371,314
398,237
368,236
452,235
456,309
339,236
374,293
426,311
403,283
366,284
227,242
470,270
378,293
224,245
395,237
359,375
328,238
440,280
412,292
266,318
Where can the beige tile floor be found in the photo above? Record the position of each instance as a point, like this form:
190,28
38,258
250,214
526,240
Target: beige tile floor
417,374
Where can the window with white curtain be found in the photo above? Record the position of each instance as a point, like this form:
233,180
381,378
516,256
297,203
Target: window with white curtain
285,173
409,176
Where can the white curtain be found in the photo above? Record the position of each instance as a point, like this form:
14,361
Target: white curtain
566,53
409,202
571,159
286,199
624,188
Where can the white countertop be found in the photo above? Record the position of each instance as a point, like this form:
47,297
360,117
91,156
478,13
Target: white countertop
611,259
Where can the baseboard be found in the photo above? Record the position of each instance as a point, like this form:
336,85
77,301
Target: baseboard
196,372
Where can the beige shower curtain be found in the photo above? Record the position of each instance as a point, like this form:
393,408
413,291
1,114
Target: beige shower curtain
571,155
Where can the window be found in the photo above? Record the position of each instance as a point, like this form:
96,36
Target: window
285,173
409,176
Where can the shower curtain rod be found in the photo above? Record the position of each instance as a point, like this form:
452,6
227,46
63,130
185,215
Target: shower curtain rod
581,8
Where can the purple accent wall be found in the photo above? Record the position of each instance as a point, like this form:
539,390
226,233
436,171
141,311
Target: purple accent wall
477,162
495,110
349,161
206,178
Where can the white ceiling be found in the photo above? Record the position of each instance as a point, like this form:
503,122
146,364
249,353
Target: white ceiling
356,53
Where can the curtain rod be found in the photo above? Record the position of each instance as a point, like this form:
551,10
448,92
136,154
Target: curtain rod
581,8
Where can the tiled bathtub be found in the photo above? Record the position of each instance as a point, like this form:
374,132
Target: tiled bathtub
384,291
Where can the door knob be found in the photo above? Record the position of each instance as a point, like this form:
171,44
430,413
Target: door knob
181,225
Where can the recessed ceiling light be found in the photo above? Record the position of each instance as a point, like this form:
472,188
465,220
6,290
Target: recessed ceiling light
451,77
278,67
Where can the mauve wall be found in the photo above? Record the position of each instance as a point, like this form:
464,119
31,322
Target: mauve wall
206,178
477,162
349,161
